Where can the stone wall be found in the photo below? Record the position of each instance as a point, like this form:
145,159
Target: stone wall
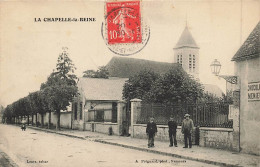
78,124
162,134
65,119
209,137
217,138
102,127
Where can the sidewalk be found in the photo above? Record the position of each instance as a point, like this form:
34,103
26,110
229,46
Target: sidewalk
201,154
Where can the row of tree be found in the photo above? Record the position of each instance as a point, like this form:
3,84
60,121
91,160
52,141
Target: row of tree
54,95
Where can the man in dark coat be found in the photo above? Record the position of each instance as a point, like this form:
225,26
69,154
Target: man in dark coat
172,131
151,130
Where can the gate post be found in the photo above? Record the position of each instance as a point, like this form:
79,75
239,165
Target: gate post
234,111
120,116
135,113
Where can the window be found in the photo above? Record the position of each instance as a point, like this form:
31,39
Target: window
190,62
181,60
194,62
75,110
99,116
80,111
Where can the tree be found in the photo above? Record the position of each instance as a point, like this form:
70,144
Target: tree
8,113
172,87
139,85
175,86
32,107
89,73
102,72
26,107
60,87
209,98
37,102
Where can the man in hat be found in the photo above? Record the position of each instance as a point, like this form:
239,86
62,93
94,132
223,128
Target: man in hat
186,129
172,131
151,129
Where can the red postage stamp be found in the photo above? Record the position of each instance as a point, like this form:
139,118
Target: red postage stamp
123,22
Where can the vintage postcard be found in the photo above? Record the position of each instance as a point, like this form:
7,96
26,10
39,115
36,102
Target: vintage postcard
129,83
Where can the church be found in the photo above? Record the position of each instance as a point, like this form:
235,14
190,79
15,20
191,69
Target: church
186,54
101,100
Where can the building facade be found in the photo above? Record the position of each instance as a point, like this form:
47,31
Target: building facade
247,70
99,105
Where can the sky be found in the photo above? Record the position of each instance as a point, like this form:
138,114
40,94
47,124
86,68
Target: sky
29,50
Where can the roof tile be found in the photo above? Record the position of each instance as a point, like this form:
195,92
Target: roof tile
186,40
251,47
126,67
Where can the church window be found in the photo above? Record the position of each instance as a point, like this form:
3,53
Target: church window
190,62
193,62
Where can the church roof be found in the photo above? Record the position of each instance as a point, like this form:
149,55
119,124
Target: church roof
125,67
213,89
251,47
186,40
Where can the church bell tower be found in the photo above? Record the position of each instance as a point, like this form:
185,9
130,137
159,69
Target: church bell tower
186,53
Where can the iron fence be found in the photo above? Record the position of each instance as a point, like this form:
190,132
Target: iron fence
202,114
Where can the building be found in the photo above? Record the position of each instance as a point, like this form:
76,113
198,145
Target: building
213,90
186,53
124,67
247,70
99,105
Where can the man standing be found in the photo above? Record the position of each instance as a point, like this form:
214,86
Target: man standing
172,131
186,129
151,129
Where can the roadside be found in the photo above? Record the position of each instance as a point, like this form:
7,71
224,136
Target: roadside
6,161
200,154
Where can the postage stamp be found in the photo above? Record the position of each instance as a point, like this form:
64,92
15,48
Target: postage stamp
124,22
124,31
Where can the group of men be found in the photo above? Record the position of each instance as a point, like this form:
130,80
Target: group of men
186,129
